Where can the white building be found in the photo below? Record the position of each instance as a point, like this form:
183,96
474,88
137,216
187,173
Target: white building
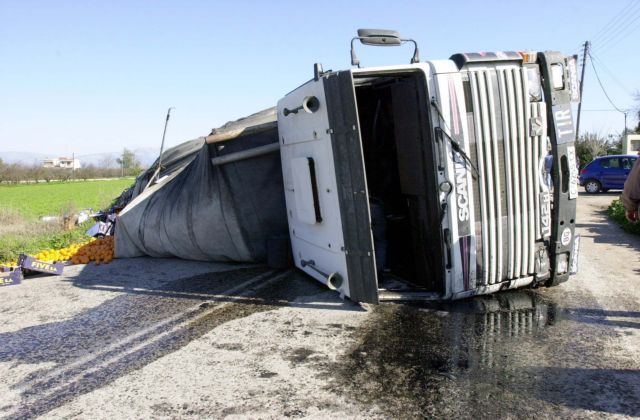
631,143
61,162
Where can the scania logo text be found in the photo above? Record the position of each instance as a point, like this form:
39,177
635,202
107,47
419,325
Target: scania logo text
462,195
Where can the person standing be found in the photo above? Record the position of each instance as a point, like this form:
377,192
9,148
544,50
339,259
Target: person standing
631,193
548,167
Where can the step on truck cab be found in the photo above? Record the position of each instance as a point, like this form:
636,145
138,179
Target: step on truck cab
427,180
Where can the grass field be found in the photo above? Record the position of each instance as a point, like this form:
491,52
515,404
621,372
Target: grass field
35,200
22,205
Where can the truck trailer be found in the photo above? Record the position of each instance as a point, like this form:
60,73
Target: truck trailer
427,180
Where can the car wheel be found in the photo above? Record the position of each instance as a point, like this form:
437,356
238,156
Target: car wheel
592,186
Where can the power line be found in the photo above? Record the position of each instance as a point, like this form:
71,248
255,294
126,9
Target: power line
624,29
613,27
602,87
605,94
630,30
612,22
600,110
613,76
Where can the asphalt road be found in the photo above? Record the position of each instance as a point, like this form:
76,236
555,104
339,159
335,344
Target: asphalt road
147,338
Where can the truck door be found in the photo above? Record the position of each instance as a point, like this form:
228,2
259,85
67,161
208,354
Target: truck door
325,186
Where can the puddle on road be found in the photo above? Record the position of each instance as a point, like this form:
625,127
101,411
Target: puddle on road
408,355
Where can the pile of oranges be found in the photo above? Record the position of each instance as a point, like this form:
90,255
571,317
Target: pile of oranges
98,250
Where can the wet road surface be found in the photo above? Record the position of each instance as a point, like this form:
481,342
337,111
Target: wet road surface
147,338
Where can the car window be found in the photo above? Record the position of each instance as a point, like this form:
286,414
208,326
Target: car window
627,163
611,163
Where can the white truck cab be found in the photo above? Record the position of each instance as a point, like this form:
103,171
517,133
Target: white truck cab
426,180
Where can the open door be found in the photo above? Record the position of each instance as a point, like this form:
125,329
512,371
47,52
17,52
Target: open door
325,186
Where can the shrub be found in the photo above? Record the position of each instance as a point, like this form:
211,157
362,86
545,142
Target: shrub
617,213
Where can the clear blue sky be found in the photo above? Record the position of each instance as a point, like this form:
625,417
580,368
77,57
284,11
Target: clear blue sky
91,76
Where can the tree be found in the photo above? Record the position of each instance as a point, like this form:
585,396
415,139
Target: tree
34,172
87,172
589,146
614,146
3,171
107,162
128,162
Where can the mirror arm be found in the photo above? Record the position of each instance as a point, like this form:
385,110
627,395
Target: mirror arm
416,53
354,59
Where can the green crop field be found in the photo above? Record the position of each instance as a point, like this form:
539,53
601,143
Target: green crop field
35,200
21,206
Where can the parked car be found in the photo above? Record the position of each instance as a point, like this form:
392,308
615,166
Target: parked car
606,173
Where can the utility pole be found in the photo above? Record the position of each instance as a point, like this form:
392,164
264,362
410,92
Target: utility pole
73,166
587,44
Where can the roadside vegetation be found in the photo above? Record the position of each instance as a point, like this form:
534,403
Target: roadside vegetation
591,145
126,164
23,205
617,213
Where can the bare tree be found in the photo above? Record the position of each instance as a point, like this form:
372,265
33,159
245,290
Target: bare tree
107,162
591,145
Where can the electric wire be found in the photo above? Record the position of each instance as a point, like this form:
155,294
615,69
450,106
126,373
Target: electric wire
602,86
599,110
621,35
613,22
614,26
624,29
629,31
613,76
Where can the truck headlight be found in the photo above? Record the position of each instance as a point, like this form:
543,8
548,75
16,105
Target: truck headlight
557,76
535,87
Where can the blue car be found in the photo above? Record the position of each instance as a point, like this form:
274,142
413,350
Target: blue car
606,173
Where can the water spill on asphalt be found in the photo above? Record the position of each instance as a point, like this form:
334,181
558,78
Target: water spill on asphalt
408,355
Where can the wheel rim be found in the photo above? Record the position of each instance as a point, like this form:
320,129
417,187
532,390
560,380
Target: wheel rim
592,187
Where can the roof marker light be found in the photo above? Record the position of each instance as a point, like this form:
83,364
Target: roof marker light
529,57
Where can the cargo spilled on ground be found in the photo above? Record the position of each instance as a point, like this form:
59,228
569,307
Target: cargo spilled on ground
23,208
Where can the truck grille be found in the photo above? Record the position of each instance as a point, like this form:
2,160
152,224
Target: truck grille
509,161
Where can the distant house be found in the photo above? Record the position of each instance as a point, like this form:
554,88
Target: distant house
61,162
631,143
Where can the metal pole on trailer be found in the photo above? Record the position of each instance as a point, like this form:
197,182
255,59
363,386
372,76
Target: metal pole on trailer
159,167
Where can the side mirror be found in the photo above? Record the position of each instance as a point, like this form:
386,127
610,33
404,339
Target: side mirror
381,38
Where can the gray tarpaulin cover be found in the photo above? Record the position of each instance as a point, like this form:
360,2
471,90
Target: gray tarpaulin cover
199,211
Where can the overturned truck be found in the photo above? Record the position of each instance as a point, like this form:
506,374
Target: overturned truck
425,180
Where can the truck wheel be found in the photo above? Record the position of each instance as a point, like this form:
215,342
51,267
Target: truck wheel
592,186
